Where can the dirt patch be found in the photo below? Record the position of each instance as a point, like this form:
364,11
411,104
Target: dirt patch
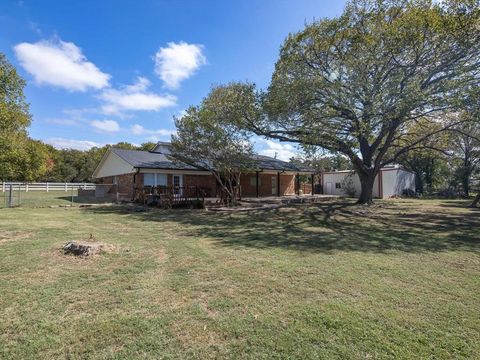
9,236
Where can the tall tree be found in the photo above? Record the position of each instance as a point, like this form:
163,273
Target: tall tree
207,138
353,84
14,120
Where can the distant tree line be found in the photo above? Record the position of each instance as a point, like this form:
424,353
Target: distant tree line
71,165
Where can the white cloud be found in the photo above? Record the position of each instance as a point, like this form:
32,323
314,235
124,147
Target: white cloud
137,129
140,130
105,125
135,97
60,64
177,62
282,151
62,143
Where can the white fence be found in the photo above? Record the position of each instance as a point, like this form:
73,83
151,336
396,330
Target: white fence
47,186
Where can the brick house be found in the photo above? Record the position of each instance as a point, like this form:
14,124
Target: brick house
131,169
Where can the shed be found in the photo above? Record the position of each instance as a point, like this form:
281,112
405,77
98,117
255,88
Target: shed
390,182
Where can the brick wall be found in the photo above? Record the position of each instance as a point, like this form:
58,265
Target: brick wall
124,183
247,189
287,185
206,182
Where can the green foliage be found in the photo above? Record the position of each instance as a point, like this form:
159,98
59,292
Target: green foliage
147,146
14,112
431,159
14,119
322,163
72,165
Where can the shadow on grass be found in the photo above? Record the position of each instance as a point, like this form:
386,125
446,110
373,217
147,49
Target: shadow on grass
325,227
85,199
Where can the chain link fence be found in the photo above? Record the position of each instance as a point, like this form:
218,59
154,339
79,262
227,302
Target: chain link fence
11,196
69,194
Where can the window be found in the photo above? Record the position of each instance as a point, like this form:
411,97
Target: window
253,181
338,185
149,179
177,184
161,179
155,179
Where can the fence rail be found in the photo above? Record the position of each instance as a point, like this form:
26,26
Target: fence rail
46,186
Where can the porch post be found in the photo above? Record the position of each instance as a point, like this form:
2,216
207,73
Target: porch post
298,183
313,184
278,183
256,181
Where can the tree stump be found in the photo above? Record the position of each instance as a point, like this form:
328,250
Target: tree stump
79,249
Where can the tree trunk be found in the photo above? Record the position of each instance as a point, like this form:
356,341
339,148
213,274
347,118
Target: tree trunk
475,201
366,182
466,184
429,176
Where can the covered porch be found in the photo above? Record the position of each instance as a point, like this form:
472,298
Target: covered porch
269,183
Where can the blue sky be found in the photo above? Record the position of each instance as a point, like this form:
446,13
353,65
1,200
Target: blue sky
101,72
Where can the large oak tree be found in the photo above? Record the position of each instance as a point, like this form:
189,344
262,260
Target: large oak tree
355,84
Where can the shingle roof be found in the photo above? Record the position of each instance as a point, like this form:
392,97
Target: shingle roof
151,160
157,160
268,163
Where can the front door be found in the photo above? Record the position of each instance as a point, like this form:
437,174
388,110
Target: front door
274,185
329,188
177,184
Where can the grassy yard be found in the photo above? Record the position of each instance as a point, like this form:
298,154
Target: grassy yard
46,199
398,280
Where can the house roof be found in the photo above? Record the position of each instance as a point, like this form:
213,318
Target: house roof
268,163
151,160
159,160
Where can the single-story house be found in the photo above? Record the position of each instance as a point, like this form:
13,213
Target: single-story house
390,182
134,169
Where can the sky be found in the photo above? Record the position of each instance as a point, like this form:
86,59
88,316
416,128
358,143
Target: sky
101,72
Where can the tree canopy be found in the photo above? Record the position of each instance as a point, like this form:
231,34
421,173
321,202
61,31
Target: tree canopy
354,84
20,157
208,138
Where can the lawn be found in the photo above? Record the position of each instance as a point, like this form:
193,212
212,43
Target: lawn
47,199
400,279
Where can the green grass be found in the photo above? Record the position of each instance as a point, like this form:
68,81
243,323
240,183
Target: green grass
400,279
46,199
